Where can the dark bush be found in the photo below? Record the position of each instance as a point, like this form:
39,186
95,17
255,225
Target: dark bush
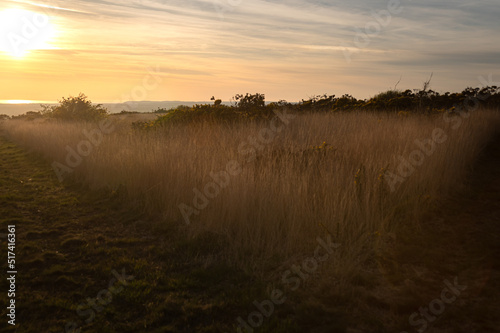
75,108
253,107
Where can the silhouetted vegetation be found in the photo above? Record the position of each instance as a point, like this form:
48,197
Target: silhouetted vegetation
30,115
422,101
75,108
128,112
253,106
247,107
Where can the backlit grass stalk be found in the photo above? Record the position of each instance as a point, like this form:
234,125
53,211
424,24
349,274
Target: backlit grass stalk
300,187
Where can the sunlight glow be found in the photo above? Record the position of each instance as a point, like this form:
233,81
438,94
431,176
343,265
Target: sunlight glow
24,101
49,6
22,30
17,101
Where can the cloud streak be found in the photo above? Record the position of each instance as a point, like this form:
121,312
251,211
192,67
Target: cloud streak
285,48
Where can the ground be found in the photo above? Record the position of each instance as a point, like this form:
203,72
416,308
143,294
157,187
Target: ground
459,239
74,245
71,244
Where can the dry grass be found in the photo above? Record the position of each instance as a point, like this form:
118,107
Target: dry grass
290,194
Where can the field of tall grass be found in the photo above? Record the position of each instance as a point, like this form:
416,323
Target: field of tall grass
267,190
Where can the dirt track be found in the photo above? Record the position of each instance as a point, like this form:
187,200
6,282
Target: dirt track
461,239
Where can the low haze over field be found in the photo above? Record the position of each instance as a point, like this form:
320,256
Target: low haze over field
288,49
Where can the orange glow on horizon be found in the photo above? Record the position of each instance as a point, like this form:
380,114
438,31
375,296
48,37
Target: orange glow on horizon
23,101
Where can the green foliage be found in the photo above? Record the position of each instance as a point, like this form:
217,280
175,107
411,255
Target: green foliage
203,112
250,101
250,107
30,115
346,103
75,108
387,95
122,112
426,101
164,110
247,107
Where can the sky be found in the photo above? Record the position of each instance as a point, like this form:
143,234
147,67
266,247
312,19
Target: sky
191,50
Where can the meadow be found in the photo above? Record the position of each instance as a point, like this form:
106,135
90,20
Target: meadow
321,174
268,190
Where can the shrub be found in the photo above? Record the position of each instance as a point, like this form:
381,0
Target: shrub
75,108
203,112
250,101
128,112
30,115
247,107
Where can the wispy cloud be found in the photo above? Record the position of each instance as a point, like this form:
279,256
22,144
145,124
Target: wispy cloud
284,48
43,5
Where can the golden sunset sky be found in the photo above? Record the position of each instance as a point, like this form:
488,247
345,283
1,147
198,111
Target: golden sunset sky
109,49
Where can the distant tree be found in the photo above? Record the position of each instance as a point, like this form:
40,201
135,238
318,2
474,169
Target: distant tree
75,108
250,101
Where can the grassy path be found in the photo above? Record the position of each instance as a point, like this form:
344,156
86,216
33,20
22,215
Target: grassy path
84,262
460,239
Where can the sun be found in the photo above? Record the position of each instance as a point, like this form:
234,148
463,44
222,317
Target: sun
23,30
